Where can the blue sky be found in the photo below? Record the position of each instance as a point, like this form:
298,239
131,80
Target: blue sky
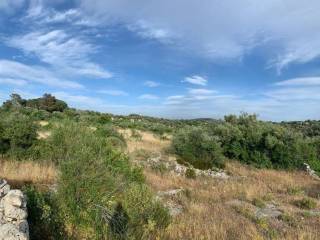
175,59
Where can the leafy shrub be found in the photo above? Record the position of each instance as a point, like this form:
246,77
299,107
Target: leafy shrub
17,134
190,173
196,147
44,215
258,202
4,142
113,137
306,203
146,215
94,177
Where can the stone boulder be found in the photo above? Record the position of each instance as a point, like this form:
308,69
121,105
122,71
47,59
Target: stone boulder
13,214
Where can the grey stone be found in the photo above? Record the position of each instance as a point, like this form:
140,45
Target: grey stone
9,231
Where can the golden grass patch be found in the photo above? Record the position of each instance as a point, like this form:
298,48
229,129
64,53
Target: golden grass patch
27,172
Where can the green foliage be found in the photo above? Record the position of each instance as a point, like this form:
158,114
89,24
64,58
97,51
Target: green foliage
4,142
159,167
93,177
44,215
306,203
258,202
295,191
17,134
190,173
248,140
47,103
114,138
146,215
194,146
289,219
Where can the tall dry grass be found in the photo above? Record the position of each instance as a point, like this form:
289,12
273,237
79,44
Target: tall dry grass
148,141
19,173
208,214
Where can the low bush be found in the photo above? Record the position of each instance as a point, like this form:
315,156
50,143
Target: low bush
190,173
306,203
194,146
44,215
146,215
244,138
17,134
94,179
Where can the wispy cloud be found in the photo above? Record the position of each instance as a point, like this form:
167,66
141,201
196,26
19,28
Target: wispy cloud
151,84
147,30
36,74
62,50
290,26
148,97
114,92
13,81
201,91
290,93
197,80
305,81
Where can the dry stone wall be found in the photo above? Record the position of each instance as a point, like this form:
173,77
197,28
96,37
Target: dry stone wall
13,214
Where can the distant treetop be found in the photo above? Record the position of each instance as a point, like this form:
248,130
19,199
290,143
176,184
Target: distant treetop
47,102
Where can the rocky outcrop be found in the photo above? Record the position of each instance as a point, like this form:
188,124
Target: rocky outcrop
13,214
178,169
310,171
170,199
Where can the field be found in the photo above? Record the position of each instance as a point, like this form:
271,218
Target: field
208,209
89,175
208,213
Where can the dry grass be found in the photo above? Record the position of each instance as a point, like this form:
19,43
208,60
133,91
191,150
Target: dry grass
148,141
19,173
208,215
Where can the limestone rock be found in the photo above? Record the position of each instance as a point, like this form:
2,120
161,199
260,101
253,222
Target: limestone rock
13,214
9,231
269,211
310,171
14,198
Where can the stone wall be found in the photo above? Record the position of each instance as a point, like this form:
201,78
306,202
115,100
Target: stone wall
13,214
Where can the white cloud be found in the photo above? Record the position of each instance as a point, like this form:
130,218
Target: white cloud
222,30
201,91
81,101
305,81
13,81
196,79
36,74
146,30
148,97
151,84
61,50
290,94
114,92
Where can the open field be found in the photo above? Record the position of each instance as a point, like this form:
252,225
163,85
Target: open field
208,205
209,214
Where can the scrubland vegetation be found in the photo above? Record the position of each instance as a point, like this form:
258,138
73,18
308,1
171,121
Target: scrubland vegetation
80,172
